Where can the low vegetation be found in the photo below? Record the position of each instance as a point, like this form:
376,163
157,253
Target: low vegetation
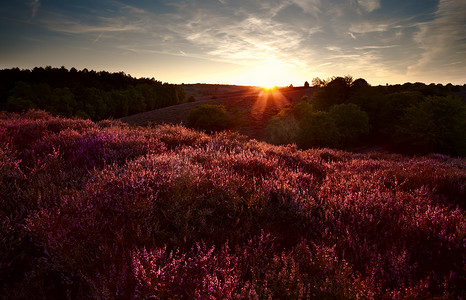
103,210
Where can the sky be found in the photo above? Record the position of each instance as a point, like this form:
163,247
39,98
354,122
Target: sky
246,42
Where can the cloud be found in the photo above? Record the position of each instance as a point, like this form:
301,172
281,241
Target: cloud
313,35
312,7
248,41
324,64
246,36
66,25
442,41
241,32
369,5
98,38
365,27
262,31
375,47
35,4
92,22
333,48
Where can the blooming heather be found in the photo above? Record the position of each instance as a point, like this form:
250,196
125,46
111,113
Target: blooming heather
104,210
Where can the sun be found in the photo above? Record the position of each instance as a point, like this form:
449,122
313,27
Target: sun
268,75
269,89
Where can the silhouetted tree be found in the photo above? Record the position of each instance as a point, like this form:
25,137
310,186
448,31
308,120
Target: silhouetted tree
435,125
358,85
350,121
306,84
317,82
318,129
336,91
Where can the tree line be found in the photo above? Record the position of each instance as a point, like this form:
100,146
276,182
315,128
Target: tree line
345,113
84,93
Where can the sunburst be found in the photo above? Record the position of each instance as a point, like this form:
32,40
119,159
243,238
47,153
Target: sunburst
269,101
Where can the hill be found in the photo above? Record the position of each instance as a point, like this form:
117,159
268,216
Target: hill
241,101
341,112
105,210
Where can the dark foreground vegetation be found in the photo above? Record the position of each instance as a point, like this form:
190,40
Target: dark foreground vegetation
85,94
346,113
102,210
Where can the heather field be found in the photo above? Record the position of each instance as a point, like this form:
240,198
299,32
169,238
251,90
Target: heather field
103,210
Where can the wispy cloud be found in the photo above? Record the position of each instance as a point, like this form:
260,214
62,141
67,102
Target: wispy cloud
333,48
375,47
369,5
98,38
442,41
246,37
70,24
35,4
312,7
76,28
365,27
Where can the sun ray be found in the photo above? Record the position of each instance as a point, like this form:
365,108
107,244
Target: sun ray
268,103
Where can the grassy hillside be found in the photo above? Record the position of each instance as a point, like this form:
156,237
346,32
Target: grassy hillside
104,210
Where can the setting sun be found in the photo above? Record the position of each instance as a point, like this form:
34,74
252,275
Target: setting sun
268,89
269,74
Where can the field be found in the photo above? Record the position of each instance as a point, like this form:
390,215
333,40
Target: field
106,210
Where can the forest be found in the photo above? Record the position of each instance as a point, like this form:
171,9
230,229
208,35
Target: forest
345,113
84,93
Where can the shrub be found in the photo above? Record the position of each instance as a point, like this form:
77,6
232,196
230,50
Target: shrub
435,125
209,117
318,129
282,129
191,98
350,121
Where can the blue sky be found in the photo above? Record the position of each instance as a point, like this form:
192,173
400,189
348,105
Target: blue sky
250,42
